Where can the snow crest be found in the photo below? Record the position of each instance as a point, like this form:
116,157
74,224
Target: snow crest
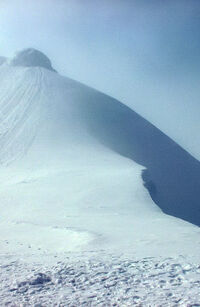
31,57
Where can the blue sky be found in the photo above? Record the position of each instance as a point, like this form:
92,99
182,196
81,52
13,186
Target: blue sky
145,53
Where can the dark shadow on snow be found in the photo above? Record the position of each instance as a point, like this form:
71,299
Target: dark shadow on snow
172,175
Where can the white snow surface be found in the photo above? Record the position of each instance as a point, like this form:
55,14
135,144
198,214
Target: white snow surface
63,191
100,281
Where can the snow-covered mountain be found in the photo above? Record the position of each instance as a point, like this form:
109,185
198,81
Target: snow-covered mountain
74,167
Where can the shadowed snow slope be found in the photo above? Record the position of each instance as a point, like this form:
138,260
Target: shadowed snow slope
71,171
172,175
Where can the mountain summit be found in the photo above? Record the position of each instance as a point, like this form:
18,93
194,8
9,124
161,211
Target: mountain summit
31,57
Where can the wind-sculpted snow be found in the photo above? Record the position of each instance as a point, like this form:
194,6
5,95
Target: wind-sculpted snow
20,108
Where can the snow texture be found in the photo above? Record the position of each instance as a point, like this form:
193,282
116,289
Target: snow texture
95,281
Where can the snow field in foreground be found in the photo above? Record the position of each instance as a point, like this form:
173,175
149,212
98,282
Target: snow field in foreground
105,281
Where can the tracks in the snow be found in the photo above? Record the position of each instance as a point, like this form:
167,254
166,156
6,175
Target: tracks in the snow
109,281
20,107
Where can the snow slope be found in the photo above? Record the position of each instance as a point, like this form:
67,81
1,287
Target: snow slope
72,162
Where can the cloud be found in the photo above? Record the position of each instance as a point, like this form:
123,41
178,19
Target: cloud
142,52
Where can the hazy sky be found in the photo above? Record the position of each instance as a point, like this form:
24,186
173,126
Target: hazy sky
146,53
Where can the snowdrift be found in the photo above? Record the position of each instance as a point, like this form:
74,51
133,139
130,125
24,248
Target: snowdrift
74,163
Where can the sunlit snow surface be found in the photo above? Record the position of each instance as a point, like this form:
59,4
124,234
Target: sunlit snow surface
64,187
101,281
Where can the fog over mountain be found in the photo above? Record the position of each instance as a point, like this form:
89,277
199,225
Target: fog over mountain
99,153
143,53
